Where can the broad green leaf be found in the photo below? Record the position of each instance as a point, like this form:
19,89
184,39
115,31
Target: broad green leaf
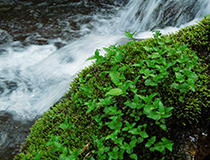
115,149
109,51
175,85
139,64
119,140
154,115
115,92
159,147
133,142
38,156
155,55
168,143
113,155
193,75
149,82
150,64
183,47
161,108
130,104
125,146
163,126
121,152
134,131
147,109
161,43
125,129
115,78
134,156
136,79
143,134
115,124
148,49
150,142
63,126
95,56
129,35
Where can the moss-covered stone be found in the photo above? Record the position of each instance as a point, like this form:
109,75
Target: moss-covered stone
66,127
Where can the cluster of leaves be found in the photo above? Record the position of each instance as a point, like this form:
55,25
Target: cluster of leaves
157,68
119,107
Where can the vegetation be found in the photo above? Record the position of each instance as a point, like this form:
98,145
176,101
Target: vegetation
128,104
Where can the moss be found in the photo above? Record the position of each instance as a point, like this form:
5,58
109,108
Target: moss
93,83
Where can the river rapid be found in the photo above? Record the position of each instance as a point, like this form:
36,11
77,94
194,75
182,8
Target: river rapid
45,43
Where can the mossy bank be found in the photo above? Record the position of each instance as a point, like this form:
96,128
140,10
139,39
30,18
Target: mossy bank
131,103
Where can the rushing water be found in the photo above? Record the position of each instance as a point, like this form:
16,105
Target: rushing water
43,44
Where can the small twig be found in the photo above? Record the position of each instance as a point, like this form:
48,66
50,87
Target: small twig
86,147
87,154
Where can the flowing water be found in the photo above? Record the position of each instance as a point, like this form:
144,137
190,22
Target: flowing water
43,45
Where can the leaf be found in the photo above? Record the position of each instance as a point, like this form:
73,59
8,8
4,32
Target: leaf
129,35
161,108
148,49
139,64
193,75
183,47
130,104
159,147
168,143
179,77
109,51
150,142
38,156
63,126
113,155
154,115
115,125
161,43
155,55
175,85
134,156
115,92
119,140
143,134
163,126
207,16
125,129
95,56
115,78
149,82
133,143
134,131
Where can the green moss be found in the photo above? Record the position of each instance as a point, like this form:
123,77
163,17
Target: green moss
93,83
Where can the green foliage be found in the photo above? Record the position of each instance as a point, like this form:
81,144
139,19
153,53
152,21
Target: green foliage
123,106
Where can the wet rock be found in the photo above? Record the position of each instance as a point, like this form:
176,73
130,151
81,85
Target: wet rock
4,37
6,5
12,135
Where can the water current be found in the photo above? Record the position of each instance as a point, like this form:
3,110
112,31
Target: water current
44,44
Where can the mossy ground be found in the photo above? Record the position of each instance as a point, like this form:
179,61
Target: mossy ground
48,140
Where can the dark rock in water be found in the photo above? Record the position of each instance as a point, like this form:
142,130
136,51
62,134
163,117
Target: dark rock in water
12,135
6,5
4,37
11,85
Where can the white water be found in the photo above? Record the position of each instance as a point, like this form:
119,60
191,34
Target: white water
33,78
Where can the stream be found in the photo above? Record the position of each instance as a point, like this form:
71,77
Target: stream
45,43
